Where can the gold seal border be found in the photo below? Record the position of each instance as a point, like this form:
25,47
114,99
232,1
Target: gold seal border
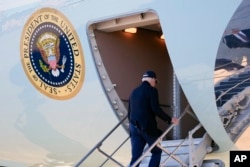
51,15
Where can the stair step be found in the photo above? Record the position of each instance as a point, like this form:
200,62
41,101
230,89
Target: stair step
181,153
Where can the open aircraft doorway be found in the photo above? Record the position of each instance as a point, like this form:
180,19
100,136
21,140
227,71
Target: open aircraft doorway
121,58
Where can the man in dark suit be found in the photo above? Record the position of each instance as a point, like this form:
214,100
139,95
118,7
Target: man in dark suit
142,112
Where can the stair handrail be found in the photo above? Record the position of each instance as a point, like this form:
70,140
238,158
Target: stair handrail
109,157
159,139
100,144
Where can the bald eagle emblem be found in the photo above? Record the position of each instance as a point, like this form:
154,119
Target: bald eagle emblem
48,45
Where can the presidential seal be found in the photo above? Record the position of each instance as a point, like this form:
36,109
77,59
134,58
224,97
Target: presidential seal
51,54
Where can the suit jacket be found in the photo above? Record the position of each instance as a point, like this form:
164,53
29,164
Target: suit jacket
144,107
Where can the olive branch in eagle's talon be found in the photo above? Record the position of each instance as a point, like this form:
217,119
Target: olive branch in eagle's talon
43,67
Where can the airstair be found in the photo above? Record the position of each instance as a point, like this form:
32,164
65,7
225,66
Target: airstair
188,152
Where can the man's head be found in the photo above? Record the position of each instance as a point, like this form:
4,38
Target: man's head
150,77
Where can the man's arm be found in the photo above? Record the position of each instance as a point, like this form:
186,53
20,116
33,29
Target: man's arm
154,102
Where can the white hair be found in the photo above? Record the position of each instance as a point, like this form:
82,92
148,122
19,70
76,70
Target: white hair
146,79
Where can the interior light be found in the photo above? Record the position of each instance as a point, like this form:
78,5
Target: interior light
131,30
162,36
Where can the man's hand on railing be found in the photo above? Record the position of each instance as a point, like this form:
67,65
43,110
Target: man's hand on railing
175,121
